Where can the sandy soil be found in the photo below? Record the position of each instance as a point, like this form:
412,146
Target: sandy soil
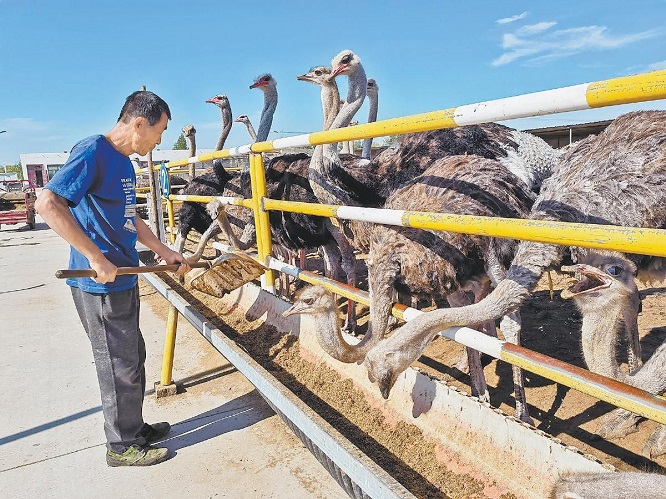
551,327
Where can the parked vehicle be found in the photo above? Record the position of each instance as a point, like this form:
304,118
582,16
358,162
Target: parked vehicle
17,202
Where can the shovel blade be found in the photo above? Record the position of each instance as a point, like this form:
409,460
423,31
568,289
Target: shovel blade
227,272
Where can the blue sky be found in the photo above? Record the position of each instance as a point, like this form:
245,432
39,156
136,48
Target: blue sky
66,66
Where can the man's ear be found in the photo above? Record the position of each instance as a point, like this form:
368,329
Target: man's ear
139,122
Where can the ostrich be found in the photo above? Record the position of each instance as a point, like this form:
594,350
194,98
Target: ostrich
372,92
617,177
243,118
189,132
194,215
606,295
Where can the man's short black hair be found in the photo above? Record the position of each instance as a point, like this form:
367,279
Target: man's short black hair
145,104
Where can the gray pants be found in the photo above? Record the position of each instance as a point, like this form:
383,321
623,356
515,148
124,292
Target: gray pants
112,324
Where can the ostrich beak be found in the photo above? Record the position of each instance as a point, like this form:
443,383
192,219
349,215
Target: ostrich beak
259,84
211,101
385,384
590,279
339,70
304,77
296,308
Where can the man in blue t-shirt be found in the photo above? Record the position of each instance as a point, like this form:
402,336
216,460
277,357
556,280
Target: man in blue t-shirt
91,203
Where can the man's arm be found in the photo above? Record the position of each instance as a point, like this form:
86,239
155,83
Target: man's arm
147,238
55,212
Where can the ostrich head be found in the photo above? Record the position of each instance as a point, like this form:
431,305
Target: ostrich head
345,63
219,100
604,278
312,300
264,82
318,75
373,88
243,118
383,369
189,130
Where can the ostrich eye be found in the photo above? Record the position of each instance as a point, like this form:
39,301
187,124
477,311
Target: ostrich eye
265,78
318,73
309,301
346,59
614,270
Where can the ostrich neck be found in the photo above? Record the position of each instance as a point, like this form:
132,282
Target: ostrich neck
526,268
372,117
226,128
358,83
193,146
330,339
270,103
599,334
381,278
330,103
250,130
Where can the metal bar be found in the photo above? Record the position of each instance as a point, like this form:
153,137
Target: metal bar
262,224
607,389
612,237
247,203
369,477
169,346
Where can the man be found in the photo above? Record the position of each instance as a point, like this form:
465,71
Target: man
91,203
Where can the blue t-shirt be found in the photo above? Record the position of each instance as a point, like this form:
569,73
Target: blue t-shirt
99,183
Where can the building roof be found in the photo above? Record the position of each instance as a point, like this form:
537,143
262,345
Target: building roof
581,128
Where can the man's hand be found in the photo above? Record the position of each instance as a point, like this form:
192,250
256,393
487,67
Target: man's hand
170,257
105,270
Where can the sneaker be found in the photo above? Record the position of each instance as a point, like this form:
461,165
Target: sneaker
137,456
153,433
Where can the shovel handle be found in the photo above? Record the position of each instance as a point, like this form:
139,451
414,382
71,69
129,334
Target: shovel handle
63,274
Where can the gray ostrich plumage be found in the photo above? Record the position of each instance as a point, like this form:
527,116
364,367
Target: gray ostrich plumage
444,265
372,93
617,178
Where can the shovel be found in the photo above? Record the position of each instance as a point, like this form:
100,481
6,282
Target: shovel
226,273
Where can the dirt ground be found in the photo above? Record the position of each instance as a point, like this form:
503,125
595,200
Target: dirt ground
550,326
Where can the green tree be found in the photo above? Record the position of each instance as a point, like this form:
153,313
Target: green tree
390,140
180,143
14,169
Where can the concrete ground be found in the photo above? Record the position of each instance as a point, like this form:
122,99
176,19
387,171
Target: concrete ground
225,442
